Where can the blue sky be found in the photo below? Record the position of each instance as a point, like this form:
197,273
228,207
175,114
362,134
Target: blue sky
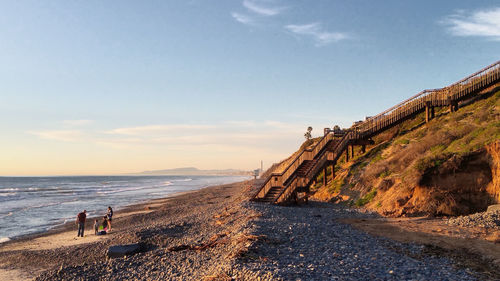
98,87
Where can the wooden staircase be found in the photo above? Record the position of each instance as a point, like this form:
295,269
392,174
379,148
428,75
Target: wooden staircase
305,167
272,194
282,188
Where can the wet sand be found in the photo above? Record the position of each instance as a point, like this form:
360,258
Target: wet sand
29,256
216,234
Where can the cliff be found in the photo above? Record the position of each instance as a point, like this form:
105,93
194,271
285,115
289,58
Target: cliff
449,166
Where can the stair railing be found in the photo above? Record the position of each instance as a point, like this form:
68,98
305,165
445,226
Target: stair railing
486,76
288,191
278,179
372,125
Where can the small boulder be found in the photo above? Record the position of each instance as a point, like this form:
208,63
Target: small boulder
119,251
493,208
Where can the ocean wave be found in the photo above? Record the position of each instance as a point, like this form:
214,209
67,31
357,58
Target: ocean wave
70,202
9,189
56,201
125,189
8,194
6,215
40,206
29,189
183,180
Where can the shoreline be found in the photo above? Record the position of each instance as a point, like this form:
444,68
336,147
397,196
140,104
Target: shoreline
143,207
28,256
69,223
215,233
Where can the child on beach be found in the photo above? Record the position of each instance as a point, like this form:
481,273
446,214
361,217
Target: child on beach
105,223
96,227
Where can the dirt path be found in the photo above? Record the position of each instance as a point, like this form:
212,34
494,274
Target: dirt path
477,247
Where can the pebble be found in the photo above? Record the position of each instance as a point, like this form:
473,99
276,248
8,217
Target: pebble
331,250
485,219
296,243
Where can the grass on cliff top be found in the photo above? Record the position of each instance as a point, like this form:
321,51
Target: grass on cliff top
460,133
404,153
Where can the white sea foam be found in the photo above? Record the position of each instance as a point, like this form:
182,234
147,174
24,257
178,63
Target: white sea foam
4,239
57,200
183,180
40,206
9,189
124,189
6,215
8,194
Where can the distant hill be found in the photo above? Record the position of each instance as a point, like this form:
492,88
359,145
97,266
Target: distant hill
192,171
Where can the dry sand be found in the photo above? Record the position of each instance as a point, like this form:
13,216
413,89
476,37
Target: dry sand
64,238
212,224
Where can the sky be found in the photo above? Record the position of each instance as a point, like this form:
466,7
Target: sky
111,87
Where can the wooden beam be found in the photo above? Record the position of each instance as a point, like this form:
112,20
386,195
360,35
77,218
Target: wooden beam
325,181
427,111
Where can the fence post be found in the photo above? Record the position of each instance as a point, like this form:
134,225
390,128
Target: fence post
427,111
325,180
450,103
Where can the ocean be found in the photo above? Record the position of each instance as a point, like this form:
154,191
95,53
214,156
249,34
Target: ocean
36,204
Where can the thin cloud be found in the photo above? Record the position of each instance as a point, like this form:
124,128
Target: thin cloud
242,18
262,10
59,135
158,129
246,134
75,123
322,37
482,23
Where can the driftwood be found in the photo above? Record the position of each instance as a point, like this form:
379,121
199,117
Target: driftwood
212,242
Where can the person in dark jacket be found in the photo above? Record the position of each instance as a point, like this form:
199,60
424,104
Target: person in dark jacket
80,221
109,217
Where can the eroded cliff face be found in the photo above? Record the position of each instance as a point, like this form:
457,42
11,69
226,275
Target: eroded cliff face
461,185
494,187
448,166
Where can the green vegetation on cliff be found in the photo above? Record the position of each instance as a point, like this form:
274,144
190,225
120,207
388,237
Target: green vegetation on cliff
443,167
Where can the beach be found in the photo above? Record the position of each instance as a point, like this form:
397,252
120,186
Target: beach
190,218
216,233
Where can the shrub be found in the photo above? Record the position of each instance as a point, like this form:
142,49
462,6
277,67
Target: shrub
431,162
385,174
402,141
336,185
377,158
366,199
438,148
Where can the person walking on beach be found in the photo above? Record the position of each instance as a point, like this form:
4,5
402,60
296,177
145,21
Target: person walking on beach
109,216
80,221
